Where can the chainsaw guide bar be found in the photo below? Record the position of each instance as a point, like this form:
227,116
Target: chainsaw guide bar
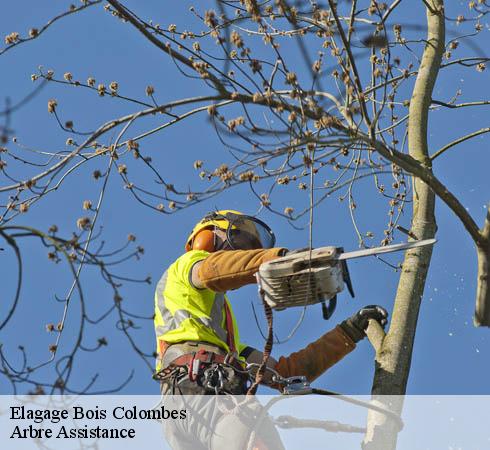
313,276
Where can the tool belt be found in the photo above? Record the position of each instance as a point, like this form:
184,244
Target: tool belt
207,370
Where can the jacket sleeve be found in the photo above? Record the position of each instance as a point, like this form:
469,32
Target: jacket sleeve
317,357
231,269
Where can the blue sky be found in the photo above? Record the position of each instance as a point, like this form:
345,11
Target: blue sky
450,355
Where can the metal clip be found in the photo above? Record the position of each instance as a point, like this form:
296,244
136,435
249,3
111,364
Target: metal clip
276,377
220,384
297,385
230,357
208,378
195,368
214,379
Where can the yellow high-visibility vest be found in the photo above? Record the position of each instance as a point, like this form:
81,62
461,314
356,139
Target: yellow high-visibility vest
185,313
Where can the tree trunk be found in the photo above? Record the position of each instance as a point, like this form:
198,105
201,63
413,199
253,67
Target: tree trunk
482,312
394,357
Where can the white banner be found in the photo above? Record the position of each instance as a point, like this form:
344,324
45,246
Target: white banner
226,422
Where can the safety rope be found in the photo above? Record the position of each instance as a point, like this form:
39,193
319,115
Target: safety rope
288,422
394,416
268,343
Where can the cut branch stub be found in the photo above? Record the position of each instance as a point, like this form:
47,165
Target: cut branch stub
376,335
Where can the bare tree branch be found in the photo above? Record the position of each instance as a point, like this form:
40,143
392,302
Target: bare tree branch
458,141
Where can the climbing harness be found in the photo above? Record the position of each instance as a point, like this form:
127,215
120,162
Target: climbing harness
217,374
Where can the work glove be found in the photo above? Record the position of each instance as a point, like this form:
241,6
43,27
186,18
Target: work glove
317,357
355,326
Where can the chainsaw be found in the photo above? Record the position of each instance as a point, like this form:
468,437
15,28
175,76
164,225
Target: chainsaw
307,277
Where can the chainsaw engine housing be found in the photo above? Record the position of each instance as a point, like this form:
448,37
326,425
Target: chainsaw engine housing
302,278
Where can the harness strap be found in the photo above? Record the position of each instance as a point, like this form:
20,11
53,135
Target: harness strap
230,338
162,347
192,360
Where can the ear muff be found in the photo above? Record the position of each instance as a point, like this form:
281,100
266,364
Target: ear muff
204,240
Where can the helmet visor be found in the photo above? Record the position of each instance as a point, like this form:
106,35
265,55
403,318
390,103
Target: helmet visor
248,233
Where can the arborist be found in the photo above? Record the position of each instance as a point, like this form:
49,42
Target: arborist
198,341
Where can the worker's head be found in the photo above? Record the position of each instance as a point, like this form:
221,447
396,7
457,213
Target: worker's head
229,230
